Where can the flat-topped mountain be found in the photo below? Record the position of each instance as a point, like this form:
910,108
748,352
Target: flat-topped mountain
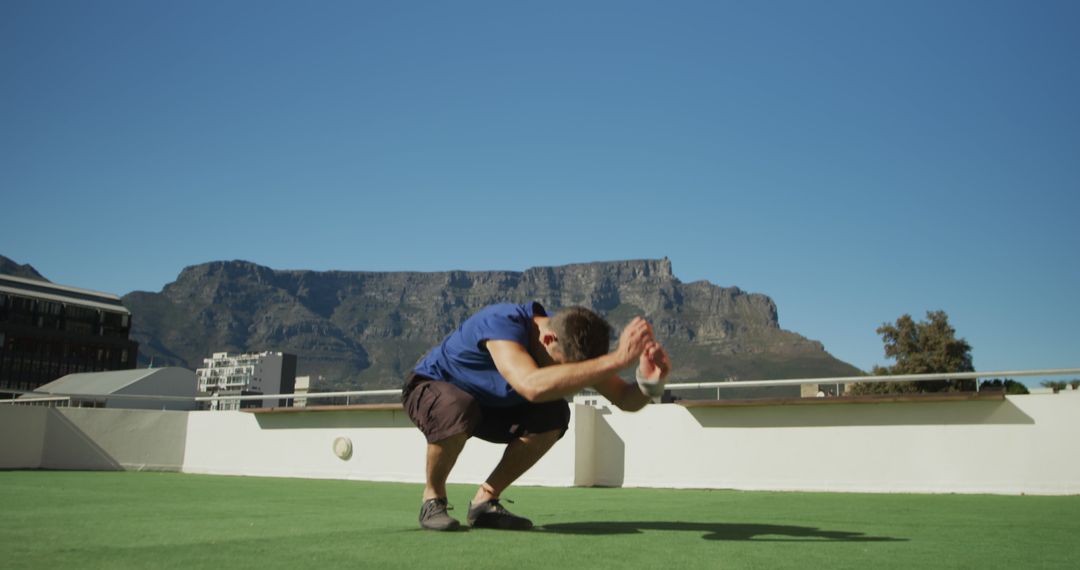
366,329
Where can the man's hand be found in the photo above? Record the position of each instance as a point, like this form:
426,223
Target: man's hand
654,363
633,341
653,367
652,371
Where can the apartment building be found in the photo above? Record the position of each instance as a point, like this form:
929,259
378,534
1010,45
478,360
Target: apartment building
225,374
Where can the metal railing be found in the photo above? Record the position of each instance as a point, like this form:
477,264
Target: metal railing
51,401
302,396
354,395
877,379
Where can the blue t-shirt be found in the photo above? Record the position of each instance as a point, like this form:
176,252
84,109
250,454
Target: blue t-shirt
463,360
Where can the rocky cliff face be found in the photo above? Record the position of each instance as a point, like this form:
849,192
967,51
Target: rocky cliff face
366,329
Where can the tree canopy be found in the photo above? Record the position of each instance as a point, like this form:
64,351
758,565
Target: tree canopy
1009,385
922,347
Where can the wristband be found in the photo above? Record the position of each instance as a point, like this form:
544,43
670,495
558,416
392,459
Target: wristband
651,388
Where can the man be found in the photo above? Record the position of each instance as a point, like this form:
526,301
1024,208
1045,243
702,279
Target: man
502,376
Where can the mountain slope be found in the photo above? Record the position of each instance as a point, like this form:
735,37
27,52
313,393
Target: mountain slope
11,267
366,329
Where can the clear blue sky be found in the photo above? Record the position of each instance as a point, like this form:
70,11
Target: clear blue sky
853,160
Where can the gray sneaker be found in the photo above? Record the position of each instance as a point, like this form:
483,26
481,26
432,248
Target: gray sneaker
433,516
491,514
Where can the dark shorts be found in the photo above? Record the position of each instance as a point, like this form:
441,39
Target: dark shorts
442,410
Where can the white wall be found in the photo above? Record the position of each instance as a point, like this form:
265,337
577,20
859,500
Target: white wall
1019,445
23,436
386,447
113,439
1013,446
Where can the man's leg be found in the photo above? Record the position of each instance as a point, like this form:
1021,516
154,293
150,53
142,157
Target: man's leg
438,409
520,455
441,457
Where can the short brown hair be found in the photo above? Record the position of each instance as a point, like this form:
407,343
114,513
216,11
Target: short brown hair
582,333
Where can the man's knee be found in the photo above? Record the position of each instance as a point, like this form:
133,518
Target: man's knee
453,441
543,438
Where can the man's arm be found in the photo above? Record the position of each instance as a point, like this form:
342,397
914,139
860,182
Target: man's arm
653,365
549,383
627,397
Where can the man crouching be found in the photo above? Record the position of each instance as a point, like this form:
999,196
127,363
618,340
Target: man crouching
502,376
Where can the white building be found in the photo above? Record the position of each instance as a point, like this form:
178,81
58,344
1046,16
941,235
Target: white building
143,388
304,384
226,374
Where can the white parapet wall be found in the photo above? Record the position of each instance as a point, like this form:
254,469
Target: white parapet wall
106,438
91,438
1016,445
1021,444
385,446
23,439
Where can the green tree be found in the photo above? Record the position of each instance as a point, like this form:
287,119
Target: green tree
1056,386
923,347
1009,385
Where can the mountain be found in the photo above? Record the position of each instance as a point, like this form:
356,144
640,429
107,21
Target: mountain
10,267
365,330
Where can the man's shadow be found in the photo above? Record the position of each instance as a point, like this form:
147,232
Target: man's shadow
720,531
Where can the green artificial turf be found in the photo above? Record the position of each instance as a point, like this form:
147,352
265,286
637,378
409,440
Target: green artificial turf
170,520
